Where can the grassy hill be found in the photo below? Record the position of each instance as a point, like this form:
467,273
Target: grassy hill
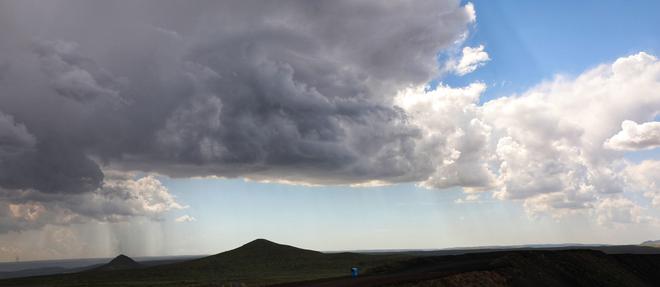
259,262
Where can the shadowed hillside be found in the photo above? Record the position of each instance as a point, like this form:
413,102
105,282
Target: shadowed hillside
121,262
511,268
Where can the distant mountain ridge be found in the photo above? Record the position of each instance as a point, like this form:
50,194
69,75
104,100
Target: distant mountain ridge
652,243
50,267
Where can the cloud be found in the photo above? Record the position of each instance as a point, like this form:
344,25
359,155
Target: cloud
619,211
551,153
305,105
122,197
51,167
471,59
454,138
48,242
72,75
185,218
293,91
643,178
469,7
635,136
14,137
271,99
544,147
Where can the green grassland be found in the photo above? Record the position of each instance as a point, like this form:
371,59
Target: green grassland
261,263
257,263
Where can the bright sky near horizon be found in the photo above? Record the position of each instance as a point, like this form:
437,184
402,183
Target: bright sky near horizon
177,130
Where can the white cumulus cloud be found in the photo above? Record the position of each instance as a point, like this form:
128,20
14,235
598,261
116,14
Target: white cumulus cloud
122,197
643,178
471,59
619,211
634,136
185,218
545,147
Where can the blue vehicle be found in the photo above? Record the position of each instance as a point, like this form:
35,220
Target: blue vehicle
355,272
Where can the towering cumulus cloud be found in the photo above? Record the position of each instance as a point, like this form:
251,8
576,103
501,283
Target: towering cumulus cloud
295,91
551,146
635,136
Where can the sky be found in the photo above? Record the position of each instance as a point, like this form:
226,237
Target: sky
169,128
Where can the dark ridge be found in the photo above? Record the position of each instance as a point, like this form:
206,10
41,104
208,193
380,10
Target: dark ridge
262,248
264,243
33,272
262,262
121,262
509,268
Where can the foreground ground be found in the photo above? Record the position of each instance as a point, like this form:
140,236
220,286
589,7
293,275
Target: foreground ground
262,263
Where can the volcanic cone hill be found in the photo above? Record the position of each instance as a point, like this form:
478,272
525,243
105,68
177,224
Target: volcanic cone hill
121,262
265,259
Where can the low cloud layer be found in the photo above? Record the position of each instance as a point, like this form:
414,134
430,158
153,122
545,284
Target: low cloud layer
122,197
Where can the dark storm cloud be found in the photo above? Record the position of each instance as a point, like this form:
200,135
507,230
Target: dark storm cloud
50,167
275,90
302,91
72,75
